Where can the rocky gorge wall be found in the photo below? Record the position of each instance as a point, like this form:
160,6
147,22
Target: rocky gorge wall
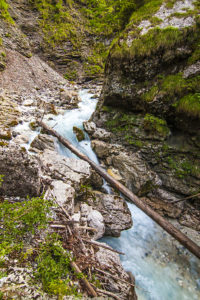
150,107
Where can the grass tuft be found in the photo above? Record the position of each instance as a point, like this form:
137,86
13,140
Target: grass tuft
190,104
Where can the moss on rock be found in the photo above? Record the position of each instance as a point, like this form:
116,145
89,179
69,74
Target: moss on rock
189,105
156,125
79,133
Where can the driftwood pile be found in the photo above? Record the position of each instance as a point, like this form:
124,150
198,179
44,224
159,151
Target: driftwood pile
76,239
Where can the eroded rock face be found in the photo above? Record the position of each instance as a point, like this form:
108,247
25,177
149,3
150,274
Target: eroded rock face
159,171
135,171
22,173
147,103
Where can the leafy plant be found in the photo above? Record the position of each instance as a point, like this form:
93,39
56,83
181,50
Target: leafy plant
53,268
20,219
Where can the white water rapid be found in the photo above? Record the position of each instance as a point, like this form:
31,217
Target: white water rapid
162,271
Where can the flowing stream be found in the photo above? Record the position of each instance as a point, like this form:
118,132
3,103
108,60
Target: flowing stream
162,270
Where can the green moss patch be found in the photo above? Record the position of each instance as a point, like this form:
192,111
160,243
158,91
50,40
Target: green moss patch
155,40
183,167
4,13
190,105
156,125
56,21
79,133
172,87
150,95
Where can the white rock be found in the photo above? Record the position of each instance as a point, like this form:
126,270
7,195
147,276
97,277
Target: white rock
64,194
96,220
90,127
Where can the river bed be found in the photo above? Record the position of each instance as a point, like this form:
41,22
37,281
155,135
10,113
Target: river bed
163,270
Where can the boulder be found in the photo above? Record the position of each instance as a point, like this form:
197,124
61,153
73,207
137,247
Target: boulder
94,219
101,148
43,141
135,171
71,170
22,172
79,133
115,212
64,194
101,134
90,127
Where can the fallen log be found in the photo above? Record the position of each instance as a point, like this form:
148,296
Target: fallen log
177,234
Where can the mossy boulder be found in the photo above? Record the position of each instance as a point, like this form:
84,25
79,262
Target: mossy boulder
79,133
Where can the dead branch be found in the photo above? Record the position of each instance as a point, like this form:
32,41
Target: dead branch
114,277
84,280
102,246
187,198
108,293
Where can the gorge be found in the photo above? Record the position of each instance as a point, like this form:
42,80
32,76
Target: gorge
138,119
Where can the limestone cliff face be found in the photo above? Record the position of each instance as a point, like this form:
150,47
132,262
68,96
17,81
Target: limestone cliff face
154,65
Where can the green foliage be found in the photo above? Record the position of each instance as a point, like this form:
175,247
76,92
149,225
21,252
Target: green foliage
146,11
108,16
2,274
4,13
156,39
189,104
173,84
53,268
183,167
19,219
195,56
182,93
71,75
56,21
150,95
155,125
92,70
133,141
